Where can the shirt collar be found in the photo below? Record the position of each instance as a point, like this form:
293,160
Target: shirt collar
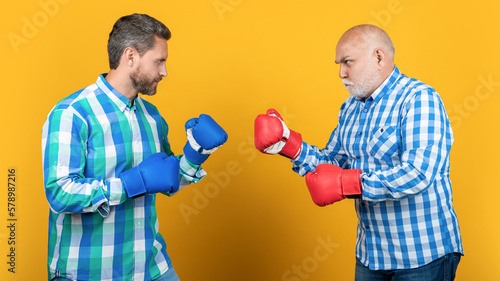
386,85
120,100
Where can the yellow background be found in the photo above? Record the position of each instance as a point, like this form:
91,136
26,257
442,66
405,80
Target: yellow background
252,218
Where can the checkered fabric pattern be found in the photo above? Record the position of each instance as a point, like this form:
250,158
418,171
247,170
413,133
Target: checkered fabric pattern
95,231
400,137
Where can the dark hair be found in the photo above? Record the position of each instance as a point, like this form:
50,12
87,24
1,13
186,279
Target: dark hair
137,31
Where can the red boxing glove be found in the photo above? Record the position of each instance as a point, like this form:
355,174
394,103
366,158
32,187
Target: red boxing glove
330,184
272,136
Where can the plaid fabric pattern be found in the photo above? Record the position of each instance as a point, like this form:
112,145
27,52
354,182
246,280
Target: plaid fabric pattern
400,138
95,231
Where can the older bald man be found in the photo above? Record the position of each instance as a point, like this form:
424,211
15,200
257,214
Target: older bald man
391,153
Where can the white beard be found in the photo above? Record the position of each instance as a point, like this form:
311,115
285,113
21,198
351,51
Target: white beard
367,79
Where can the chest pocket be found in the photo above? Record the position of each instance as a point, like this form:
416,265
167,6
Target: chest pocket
383,144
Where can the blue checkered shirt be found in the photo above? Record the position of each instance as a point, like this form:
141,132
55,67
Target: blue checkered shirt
400,137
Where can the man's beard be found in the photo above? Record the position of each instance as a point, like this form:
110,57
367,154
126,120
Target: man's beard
361,89
143,84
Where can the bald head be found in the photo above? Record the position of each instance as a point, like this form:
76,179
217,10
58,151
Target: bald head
369,37
366,57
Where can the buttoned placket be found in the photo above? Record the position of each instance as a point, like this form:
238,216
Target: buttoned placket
139,202
362,122
364,108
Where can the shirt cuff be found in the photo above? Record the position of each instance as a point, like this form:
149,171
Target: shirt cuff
116,193
100,201
191,172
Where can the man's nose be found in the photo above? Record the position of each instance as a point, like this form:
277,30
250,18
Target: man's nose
163,71
342,72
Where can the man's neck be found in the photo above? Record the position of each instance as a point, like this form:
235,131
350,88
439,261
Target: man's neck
121,82
385,75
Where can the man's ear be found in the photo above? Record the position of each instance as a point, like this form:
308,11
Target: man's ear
381,57
130,55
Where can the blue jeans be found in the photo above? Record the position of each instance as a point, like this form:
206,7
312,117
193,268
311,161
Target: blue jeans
442,269
170,275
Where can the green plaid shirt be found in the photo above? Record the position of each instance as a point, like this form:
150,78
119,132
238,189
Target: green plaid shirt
95,231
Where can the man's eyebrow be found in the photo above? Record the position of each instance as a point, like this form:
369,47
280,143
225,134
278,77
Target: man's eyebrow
342,60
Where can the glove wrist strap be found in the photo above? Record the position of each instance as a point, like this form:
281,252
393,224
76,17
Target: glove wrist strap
133,183
193,155
293,145
351,183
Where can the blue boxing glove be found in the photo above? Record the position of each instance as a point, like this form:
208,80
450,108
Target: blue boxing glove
158,173
204,137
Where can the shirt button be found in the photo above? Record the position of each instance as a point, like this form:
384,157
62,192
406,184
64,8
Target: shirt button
359,133
366,110
367,226
357,156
